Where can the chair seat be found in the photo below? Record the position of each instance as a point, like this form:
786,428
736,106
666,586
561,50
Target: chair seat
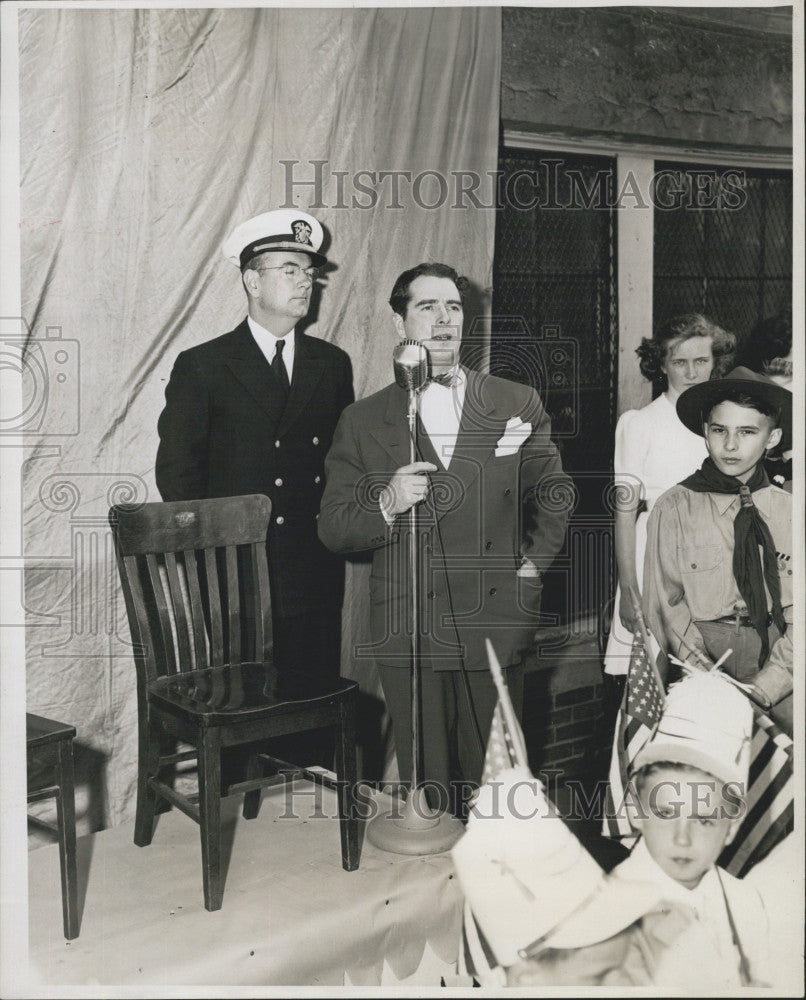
254,690
39,731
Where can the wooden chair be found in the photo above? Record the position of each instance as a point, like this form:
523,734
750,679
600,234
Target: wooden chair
196,584
49,754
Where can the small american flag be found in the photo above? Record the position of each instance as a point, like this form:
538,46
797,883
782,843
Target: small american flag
770,798
506,748
638,716
501,753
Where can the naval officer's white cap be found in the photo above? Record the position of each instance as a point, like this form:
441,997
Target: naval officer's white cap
283,229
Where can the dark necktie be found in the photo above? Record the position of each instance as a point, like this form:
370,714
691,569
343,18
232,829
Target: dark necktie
279,369
751,568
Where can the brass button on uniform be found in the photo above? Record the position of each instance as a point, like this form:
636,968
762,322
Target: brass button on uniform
492,591
316,440
276,444
278,482
318,479
280,520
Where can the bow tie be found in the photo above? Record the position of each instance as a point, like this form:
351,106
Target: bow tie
448,379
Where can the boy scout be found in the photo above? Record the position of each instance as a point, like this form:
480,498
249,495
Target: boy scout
718,573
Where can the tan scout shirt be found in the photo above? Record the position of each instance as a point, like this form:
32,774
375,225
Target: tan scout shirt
688,571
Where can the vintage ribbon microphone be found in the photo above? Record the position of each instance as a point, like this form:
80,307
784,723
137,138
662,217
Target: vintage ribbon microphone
417,828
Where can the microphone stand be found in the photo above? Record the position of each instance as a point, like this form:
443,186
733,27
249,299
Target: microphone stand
417,829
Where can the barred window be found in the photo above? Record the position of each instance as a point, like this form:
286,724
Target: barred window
554,327
723,246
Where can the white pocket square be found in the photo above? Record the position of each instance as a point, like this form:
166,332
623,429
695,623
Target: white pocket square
515,433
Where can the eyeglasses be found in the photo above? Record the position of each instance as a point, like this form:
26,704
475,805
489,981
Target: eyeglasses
293,270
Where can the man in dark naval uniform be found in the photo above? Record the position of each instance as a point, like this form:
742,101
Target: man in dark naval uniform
254,411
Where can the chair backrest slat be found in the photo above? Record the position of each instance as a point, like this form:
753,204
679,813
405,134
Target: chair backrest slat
144,653
216,619
178,595
262,602
163,616
233,604
196,609
195,577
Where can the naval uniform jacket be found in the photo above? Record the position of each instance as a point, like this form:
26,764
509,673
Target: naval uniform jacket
482,515
224,432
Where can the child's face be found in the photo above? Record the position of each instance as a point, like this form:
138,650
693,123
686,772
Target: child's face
688,362
685,822
736,438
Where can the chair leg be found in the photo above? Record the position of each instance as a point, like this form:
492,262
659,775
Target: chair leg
66,819
251,800
210,816
148,758
347,774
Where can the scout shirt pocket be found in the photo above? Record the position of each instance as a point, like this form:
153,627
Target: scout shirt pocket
701,569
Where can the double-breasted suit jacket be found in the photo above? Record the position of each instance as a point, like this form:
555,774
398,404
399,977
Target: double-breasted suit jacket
483,514
225,432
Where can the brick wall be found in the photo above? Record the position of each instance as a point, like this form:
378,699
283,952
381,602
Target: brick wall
567,715
568,719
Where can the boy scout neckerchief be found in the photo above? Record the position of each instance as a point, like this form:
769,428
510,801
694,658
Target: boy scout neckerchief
749,531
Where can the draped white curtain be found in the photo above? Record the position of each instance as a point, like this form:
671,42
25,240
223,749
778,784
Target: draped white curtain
145,136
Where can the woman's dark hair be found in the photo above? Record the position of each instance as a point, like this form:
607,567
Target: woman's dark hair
653,353
770,338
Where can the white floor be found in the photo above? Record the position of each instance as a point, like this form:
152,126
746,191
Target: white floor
291,915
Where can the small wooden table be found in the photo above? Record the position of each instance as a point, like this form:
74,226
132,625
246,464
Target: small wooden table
49,745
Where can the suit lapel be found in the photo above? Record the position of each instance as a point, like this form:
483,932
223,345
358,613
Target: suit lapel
426,452
392,430
479,431
307,374
251,369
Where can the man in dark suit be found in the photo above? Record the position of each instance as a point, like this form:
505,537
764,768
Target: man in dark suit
493,504
253,411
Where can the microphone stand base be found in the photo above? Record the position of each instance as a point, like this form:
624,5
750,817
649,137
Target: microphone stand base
415,829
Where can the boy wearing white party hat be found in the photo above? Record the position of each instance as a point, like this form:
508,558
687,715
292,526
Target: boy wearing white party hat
543,913
690,781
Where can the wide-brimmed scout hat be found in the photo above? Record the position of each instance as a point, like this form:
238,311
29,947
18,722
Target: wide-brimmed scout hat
529,881
697,401
706,723
283,229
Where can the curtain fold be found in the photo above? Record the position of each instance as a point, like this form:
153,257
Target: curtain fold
145,136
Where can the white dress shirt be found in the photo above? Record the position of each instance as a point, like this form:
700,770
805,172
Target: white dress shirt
267,342
441,414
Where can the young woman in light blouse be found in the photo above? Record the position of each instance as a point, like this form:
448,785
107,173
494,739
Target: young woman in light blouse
654,451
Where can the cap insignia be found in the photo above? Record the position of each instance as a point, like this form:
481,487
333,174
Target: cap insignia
302,231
